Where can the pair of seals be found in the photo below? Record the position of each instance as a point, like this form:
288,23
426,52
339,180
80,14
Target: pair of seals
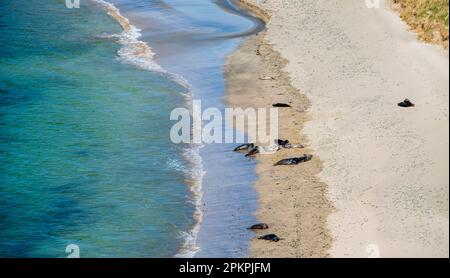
253,149
264,150
268,237
250,147
406,103
294,160
279,143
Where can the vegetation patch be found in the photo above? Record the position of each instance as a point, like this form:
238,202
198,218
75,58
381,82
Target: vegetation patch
429,18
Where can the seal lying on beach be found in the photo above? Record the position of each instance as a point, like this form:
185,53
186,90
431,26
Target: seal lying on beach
244,147
406,103
282,105
260,226
270,237
294,160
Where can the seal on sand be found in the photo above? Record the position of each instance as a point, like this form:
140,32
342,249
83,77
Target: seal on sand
294,160
281,105
270,237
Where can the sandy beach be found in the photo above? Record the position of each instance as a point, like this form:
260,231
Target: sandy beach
378,185
292,203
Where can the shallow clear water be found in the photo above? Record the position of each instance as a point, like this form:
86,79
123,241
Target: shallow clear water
84,136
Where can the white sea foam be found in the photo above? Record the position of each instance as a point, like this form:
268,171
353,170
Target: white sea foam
192,154
177,165
135,51
140,54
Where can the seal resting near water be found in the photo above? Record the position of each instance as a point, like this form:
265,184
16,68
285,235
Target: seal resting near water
260,226
270,237
294,160
244,147
279,143
253,151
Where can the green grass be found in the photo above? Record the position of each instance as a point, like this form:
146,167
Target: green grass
427,17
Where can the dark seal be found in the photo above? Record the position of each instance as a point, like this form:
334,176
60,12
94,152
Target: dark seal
260,226
281,105
406,103
253,151
244,147
270,237
294,160
281,142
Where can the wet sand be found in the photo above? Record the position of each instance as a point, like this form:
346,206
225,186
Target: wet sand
385,168
292,199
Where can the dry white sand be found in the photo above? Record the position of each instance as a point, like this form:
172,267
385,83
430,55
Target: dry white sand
386,167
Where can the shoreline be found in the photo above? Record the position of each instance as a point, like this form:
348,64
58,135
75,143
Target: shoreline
138,53
292,200
200,241
382,168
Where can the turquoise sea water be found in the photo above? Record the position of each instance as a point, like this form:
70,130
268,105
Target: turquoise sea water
85,157
85,151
